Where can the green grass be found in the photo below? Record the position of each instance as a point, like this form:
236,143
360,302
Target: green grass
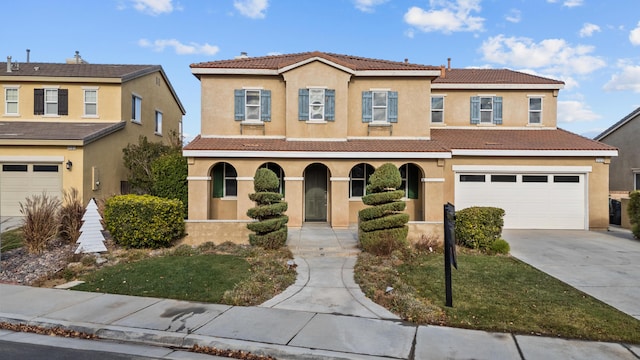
11,239
203,277
500,293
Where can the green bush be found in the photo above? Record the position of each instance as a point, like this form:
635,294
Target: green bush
385,177
478,227
270,231
384,242
500,246
633,209
381,210
382,197
169,175
395,220
144,221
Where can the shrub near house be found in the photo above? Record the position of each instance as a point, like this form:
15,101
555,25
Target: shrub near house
480,228
270,231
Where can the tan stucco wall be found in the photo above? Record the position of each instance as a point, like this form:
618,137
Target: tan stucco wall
217,232
625,139
515,106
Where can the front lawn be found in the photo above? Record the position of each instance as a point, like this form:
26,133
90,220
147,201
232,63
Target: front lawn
492,293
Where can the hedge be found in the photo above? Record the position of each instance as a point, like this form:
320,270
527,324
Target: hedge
633,209
478,227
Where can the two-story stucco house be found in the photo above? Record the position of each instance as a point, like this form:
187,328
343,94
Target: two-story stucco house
323,122
64,125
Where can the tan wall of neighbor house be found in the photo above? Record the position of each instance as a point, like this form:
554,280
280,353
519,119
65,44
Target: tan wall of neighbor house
515,106
413,106
597,179
622,166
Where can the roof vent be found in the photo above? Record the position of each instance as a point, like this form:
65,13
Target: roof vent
8,63
242,55
77,59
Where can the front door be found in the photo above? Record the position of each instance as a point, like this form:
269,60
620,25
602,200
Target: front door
315,193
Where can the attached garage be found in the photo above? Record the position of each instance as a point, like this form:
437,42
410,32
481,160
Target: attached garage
19,181
532,197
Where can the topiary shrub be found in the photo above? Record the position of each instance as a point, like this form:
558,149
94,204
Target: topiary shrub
144,221
383,227
270,230
633,209
478,227
500,246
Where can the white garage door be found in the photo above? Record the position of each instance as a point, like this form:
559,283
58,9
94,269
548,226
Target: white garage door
19,181
530,201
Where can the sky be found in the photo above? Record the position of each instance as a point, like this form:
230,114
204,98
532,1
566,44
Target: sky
593,46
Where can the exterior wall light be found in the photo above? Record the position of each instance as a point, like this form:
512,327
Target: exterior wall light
69,164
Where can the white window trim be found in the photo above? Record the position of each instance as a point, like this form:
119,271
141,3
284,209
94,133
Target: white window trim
324,94
431,109
50,88
139,109
529,97
373,107
84,103
246,106
11,87
155,130
490,122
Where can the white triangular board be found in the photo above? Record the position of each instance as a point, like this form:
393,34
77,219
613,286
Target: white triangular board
89,215
93,248
92,205
90,237
91,225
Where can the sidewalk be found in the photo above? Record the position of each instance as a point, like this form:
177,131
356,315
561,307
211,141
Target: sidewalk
341,325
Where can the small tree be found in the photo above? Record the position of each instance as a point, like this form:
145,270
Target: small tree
270,231
169,177
383,226
633,209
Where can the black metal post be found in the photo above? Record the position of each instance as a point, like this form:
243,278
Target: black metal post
449,250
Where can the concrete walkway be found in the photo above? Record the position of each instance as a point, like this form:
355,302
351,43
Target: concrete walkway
294,325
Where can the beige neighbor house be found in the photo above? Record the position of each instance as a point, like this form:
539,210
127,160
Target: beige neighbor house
323,122
64,125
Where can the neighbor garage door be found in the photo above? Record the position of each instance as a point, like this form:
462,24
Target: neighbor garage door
530,201
19,181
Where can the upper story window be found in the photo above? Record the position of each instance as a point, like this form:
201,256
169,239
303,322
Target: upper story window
437,109
11,100
380,106
90,102
51,101
158,125
252,105
136,109
316,104
535,110
486,110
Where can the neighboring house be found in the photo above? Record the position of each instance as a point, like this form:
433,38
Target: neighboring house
624,174
64,125
323,122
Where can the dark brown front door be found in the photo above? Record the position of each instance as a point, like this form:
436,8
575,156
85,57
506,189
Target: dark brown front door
315,193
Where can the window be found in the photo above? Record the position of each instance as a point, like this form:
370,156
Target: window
566,179
358,179
472,178
380,106
158,128
535,110
11,101
252,105
224,180
50,101
636,182
316,104
14,168
535,178
279,173
437,109
90,102
136,109
503,178
486,110
410,175
45,168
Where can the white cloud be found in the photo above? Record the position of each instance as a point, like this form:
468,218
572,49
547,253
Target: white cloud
254,9
628,79
588,29
451,16
554,56
572,3
368,5
180,48
153,7
634,35
572,111
514,16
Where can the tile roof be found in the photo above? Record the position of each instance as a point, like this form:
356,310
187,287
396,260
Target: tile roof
258,144
543,139
277,62
491,76
124,72
85,132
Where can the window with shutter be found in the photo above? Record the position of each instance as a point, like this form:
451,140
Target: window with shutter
330,105
265,105
367,107
486,110
51,101
252,105
303,104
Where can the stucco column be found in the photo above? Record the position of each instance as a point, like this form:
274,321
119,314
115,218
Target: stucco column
294,199
339,202
245,187
199,197
433,188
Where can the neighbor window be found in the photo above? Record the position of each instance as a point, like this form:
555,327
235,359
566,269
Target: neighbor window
486,110
224,180
437,109
358,179
380,106
136,109
410,175
90,102
636,182
50,101
158,128
535,110
11,101
252,105
316,104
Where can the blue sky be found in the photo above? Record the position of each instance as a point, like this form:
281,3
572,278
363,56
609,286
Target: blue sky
593,46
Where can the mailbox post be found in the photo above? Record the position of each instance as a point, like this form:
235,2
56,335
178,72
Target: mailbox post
449,249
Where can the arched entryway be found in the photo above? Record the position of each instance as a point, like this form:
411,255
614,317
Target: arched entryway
316,180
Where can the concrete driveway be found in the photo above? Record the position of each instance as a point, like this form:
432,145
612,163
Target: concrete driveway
603,264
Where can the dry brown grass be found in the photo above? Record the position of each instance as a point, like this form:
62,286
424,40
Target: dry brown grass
40,221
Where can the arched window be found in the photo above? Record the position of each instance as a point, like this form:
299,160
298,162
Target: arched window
410,174
358,179
224,180
279,173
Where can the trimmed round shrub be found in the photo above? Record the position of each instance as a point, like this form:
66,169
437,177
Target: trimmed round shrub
395,220
382,210
500,246
384,197
385,177
265,180
478,227
144,221
270,230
